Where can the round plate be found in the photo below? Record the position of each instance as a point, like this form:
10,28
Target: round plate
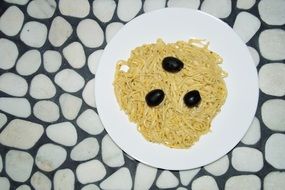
228,127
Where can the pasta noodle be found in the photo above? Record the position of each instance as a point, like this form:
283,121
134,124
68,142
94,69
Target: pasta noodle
171,123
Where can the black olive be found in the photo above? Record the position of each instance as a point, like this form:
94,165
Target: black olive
172,64
154,97
192,98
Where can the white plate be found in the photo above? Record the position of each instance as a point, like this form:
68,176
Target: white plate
229,126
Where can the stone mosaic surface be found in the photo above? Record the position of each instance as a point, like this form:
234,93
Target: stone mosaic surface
50,134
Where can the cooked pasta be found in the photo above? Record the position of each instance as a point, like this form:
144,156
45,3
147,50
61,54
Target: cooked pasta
171,123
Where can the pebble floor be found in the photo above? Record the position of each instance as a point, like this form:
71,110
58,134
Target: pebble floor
52,138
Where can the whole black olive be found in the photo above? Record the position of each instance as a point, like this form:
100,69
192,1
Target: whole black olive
154,97
172,64
192,98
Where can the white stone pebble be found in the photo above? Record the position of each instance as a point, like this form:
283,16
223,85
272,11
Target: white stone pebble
11,21
254,55
3,120
42,87
90,187
52,61
187,175
220,9
204,182
272,44
34,34
74,54
21,134
40,181
4,183
104,9
273,114
274,180
89,121
63,133
29,62
112,29
18,2
90,171
78,8
244,182
70,105
124,12
247,159
150,5
85,150
167,180
13,84
19,107
245,4
64,179
253,134
50,156
112,155
192,4
46,110
60,31
69,80
272,12
246,25
218,167
145,176
41,9
18,165
275,150
90,33
93,60
271,79
181,188
8,53
88,93
23,187
1,164
121,179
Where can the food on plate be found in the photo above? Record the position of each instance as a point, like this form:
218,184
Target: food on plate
171,91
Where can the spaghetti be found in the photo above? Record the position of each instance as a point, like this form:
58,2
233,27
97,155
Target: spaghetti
171,123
